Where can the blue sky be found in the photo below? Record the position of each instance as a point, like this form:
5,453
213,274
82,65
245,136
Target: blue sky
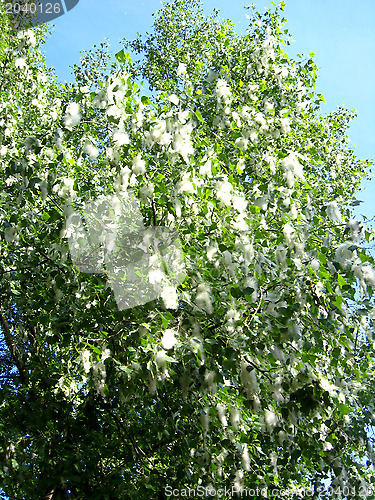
339,32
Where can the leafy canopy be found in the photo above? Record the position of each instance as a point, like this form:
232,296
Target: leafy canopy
254,368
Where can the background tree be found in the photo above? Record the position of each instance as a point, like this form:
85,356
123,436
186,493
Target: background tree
257,369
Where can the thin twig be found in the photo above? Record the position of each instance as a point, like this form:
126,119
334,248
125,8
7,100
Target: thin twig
261,370
258,306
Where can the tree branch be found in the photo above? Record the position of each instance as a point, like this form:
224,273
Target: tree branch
139,452
23,268
257,308
11,344
261,370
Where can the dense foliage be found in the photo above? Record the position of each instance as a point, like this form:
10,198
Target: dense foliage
255,367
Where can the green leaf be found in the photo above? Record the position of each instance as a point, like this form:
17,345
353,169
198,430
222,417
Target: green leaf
145,100
199,116
345,410
122,56
341,281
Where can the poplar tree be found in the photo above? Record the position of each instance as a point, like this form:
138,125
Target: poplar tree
186,299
